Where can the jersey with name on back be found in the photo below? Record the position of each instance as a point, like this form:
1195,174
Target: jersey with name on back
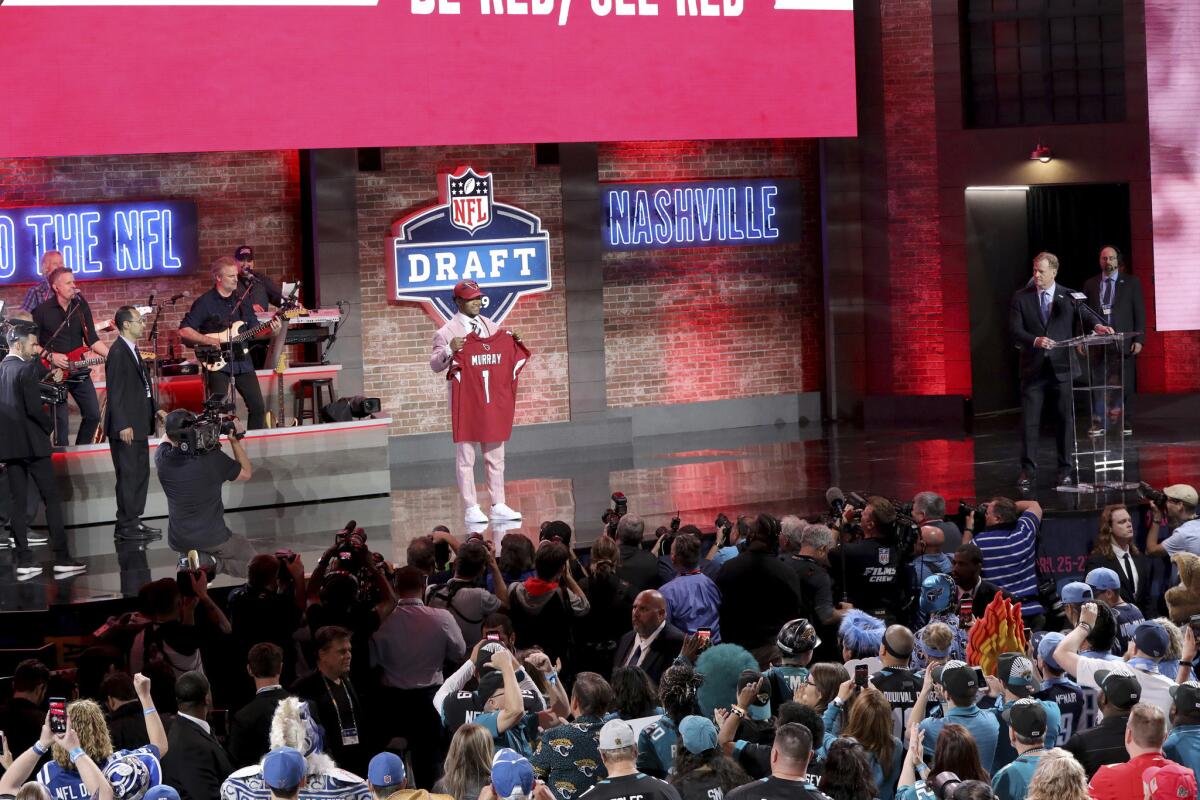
637,786
483,387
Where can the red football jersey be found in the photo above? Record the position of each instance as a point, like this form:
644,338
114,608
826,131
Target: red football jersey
483,387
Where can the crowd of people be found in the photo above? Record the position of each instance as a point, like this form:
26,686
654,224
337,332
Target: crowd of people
834,656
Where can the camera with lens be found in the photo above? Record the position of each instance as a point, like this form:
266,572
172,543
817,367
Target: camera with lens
1148,492
203,433
968,509
944,785
352,564
612,516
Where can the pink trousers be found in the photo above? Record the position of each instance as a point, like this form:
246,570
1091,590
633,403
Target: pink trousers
493,462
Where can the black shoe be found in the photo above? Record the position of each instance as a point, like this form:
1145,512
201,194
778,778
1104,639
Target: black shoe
69,566
1066,477
1026,480
136,535
144,528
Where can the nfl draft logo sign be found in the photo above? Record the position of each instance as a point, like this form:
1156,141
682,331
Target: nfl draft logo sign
468,236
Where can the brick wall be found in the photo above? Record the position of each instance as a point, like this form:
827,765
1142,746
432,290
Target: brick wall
241,198
396,339
718,323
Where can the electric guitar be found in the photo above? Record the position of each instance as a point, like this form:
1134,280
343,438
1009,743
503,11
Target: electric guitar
278,420
79,359
237,333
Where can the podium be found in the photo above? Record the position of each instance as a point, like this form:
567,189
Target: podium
1098,434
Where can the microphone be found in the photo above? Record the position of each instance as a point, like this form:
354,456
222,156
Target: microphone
1077,298
150,302
176,297
836,500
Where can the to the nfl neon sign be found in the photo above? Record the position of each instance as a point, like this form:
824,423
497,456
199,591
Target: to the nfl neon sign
468,236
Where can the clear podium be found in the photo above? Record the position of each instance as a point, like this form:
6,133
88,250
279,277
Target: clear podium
1098,431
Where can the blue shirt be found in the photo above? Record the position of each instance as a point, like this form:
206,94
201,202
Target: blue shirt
726,553
981,723
885,782
693,601
921,568
1010,560
517,737
37,294
656,747
1011,782
1183,747
65,784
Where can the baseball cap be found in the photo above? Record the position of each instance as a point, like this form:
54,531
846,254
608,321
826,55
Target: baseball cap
957,676
616,734
1187,697
1027,717
749,676
1152,639
1171,781
244,253
512,774
467,290
697,734
1121,688
386,770
1046,645
1015,671
483,659
133,774
283,768
489,684
1183,493
1102,578
1076,592
161,792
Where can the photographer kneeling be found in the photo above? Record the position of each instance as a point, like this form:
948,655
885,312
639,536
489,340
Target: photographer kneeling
192,469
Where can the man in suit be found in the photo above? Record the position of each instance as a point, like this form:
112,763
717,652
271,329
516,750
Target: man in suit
128,421
653,643
195,762
967,570
639,568
25,430
1040,316
250,728
448,340
1117,297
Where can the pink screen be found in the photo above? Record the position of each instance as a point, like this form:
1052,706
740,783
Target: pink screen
1173,72
90,79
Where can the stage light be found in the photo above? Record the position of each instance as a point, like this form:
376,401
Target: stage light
1041,153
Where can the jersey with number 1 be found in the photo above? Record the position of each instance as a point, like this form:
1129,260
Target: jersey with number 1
483,387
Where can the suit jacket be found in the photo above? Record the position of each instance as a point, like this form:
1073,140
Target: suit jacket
1128,307
195,763
639,568
127,405
984,594
250,728
663,651
25,423
459,326
1141,564
1025,326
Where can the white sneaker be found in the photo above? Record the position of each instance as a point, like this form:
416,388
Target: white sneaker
28,571
501,511
35,538
475,515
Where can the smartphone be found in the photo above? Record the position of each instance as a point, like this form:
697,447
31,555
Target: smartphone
704,633
58,715
493,637
979,677
1028,634
1194,624
861,673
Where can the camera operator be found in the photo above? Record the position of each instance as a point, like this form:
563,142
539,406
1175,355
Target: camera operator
1009,544
929,508
192,481
868,570
1177,512
269,606
639,568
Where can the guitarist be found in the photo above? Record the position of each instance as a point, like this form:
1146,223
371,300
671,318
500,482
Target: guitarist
65,325
129,421
264,293
213,312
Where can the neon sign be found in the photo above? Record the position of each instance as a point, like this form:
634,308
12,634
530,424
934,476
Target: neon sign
646,216
100,241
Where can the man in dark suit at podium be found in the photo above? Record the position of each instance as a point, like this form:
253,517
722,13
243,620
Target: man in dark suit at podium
1040,316
1117,297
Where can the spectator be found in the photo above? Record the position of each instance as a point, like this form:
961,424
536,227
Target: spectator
634,698
468,763
620,754
126,724
657,742
825,679
1009,547
24,714
457,706
1102,639
420,554
94,665
797,640
1027,734
515,560
729,537
1014,680
1115,549
1058,777
861,636
897,682
868,568
1172,782
91,779
1059,689
567,757
693,599
504,715
869,722
1106,586
967,570
333,699
639,568
1180,518
610,604
846,774
1105,743
293,726
811,564
654,642
389,780
661,550
283,773
269,607
250,728
790,756
463,597
791,536
512,778
758,592
959,684
930,560
755,758
544,607
1144,738
196,763
1169,664
1183,745
929,508
701,771
936,604
954,751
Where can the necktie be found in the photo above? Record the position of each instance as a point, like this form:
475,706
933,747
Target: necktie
1108,290
474,327
1045,306
1129,573
634,656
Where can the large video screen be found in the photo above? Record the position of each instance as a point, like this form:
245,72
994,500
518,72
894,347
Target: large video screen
1173,73
138,76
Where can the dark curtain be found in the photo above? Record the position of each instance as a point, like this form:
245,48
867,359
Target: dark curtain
1074,222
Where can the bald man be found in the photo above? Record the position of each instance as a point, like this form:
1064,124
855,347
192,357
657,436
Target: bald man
930,560
653,643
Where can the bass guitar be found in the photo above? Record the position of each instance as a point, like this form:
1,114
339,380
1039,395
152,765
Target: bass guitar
236,335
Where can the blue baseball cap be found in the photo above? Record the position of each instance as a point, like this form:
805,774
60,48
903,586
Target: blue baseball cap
161,792
1046,647
512,774
386,769
133,773
697,734
1152,639
1076,593
283,768
1103,578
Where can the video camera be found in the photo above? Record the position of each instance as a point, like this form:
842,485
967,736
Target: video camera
203,433
612,516
52,393
353,561
1149,493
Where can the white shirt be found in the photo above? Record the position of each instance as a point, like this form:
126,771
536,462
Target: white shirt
1120,553
203,725
644,644
1156,687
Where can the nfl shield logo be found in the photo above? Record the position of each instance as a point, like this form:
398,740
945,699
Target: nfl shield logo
470,197
885,556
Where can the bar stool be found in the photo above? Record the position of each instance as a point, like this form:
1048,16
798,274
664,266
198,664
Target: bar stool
312,388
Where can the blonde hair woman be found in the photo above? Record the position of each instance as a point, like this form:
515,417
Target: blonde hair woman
468,763
1058,777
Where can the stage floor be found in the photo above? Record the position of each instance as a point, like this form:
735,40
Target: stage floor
780,470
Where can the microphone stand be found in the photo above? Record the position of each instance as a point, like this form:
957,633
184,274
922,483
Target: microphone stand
156,367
